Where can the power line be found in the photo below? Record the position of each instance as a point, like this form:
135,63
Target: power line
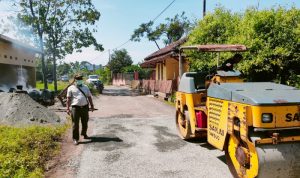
163,11
152,20
119,46
122,44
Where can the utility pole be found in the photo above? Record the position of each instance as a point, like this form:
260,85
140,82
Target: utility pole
204,8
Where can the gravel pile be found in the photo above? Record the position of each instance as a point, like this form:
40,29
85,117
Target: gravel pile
19,109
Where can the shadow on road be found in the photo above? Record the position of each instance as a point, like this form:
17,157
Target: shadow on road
202,142
222,158
120,92
95,139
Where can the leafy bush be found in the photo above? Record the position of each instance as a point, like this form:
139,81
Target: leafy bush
93,89
272,37
105,75
60,85
24,151
143,73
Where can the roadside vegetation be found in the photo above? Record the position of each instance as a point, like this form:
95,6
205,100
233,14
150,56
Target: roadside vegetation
24,152
60,85
271,36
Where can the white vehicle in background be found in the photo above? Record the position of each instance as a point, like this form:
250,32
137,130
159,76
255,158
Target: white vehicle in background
64,78
92,79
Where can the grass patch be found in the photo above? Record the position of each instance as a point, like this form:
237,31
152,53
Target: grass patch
170,103
60,85
92,89
25,151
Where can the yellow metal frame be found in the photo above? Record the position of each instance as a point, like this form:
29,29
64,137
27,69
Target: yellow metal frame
277,140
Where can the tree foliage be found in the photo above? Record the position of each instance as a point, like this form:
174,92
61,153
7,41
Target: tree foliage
271,36
171,31
131,68
143,73
119,60
61,26
63,69
35,14
104,74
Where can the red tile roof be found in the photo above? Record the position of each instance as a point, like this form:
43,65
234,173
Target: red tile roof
168,49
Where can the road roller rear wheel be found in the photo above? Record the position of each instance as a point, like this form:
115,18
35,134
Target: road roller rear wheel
183,125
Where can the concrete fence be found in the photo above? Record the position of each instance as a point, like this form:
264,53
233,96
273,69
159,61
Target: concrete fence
163,88
120,79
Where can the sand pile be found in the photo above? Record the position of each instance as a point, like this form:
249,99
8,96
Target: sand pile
19,109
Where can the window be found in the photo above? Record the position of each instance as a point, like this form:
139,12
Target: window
5,56
10,57
24,60
16,58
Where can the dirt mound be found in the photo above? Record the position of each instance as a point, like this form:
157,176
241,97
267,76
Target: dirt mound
19,109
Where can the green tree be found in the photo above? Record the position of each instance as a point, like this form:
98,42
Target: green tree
75,67
131,68
104,74
35,14
70,28
143,73
61,26
271,36
273,42
171,31
119,60
216,28
63,69
80,67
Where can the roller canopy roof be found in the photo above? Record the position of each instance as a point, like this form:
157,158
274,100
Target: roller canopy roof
255,93
216,48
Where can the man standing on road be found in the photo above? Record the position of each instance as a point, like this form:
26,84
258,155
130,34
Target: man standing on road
79,98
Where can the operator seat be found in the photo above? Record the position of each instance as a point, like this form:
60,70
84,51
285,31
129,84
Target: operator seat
192,82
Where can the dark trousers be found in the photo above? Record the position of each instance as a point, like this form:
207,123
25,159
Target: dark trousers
79,112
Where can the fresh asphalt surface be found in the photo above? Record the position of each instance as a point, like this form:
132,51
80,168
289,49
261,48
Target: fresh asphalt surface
135,136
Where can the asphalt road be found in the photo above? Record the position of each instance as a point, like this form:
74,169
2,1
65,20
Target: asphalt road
135,136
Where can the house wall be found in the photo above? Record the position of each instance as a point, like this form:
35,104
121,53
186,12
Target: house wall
16,55
161,71
172,69
169,70
17,66
158,72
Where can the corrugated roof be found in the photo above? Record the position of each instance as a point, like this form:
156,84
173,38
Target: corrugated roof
151,63
168,49
217,47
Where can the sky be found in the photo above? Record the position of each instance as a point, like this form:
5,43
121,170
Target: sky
119,18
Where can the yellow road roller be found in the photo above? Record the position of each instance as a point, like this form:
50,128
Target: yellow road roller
257,124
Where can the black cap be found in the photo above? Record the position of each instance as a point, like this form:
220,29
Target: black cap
78,77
